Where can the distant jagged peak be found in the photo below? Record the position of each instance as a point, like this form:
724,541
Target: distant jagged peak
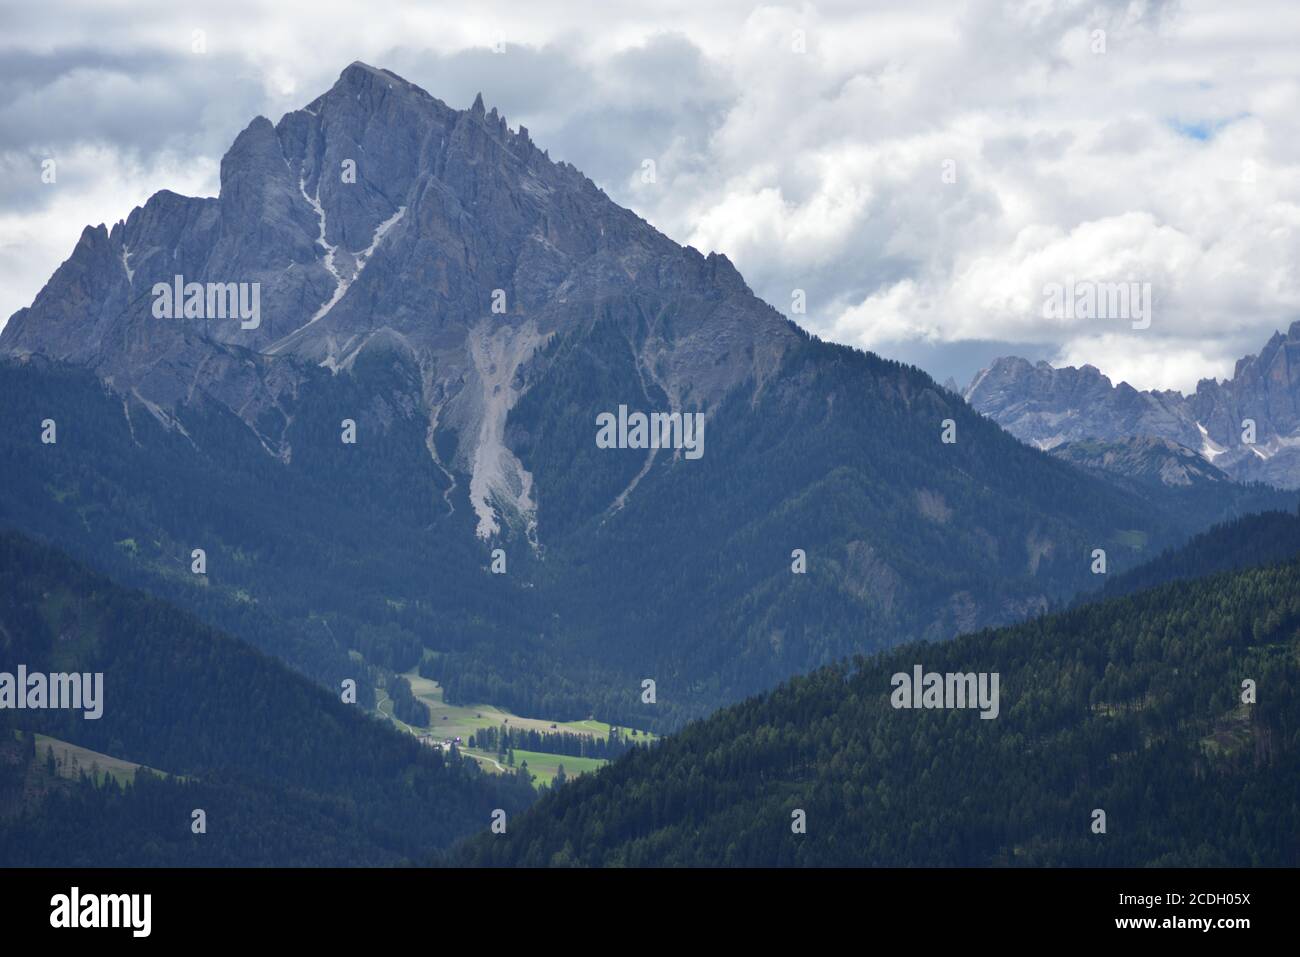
1013,366
1247,425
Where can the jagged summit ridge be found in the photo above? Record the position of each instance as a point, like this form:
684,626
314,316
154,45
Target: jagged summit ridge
1049,407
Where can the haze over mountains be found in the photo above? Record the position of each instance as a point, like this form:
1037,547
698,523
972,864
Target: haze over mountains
473,307
1049,407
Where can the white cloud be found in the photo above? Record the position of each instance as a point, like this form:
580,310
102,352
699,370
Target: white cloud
93,185
1155,370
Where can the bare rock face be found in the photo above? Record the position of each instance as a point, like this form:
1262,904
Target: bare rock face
379,217
1050,407
1144,457
869,577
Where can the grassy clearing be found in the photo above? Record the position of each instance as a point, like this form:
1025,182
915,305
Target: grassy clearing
450,721
1132,538
544,766
72,759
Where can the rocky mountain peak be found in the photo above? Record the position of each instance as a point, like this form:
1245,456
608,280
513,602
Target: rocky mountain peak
378,215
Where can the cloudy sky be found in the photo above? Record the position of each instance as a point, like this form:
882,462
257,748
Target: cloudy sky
922,171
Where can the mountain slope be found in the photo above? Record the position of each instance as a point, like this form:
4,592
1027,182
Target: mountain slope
287,773
840,455
1131,706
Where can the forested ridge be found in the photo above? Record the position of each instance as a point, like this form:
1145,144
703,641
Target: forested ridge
1132,706
286,772
1258,539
